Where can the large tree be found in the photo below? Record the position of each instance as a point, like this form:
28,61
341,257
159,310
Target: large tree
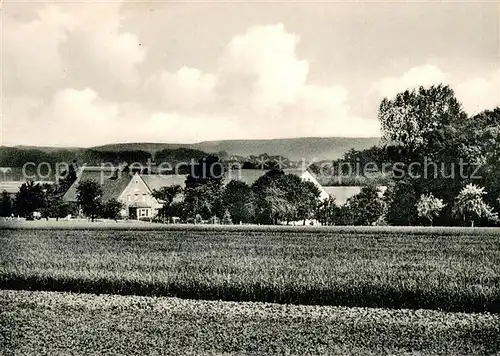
89,197
237,199
424,132
111,209
429,207
203,191
366,207
5,204
67,177
166,196
470,206
308,200
484,144
327,212
422,121
28,199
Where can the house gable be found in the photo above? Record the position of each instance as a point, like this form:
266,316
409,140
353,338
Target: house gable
307,176
137,192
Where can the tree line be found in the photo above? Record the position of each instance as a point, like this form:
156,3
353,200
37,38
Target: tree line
426,139
274,197
441,165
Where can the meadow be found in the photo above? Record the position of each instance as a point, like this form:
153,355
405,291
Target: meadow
443,269
53,323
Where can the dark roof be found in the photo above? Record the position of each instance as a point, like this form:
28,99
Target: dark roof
12,187
343,193
111,187
248,176
156,181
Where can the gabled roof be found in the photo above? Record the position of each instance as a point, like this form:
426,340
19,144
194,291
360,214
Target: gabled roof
111,187
343,193
156,181
248,176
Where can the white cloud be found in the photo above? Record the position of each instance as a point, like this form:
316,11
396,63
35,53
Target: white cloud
98,49
103,42
264,58
476,94
479,93
425,75
30,54
259,90
186,89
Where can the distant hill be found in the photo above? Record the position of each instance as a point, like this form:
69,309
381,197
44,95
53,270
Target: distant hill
295,149
319,148
50,149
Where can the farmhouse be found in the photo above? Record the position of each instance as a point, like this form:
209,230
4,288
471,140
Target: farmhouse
135,190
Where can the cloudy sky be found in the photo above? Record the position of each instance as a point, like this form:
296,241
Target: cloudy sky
81,74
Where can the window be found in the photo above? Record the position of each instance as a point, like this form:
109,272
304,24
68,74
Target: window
136,197
129,198
144,198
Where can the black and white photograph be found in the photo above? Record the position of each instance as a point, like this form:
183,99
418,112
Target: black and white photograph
230,177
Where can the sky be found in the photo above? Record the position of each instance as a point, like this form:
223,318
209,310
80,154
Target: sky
90,73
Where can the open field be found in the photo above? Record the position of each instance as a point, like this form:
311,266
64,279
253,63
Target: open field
34,323
435,269
84,224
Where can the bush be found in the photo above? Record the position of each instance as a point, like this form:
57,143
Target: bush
226,220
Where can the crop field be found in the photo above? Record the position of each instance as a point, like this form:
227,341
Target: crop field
52,323
452,270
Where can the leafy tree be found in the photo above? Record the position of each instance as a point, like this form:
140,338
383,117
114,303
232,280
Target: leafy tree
226,220
483,146
68,177
199,200
284,197
60,208
29,199
426,127
308,201
469,205
429,207
237,199
327,212
166,196
421,121
111,209
274,197
401,200
366,207
89,197
5,205
277,206
203,192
